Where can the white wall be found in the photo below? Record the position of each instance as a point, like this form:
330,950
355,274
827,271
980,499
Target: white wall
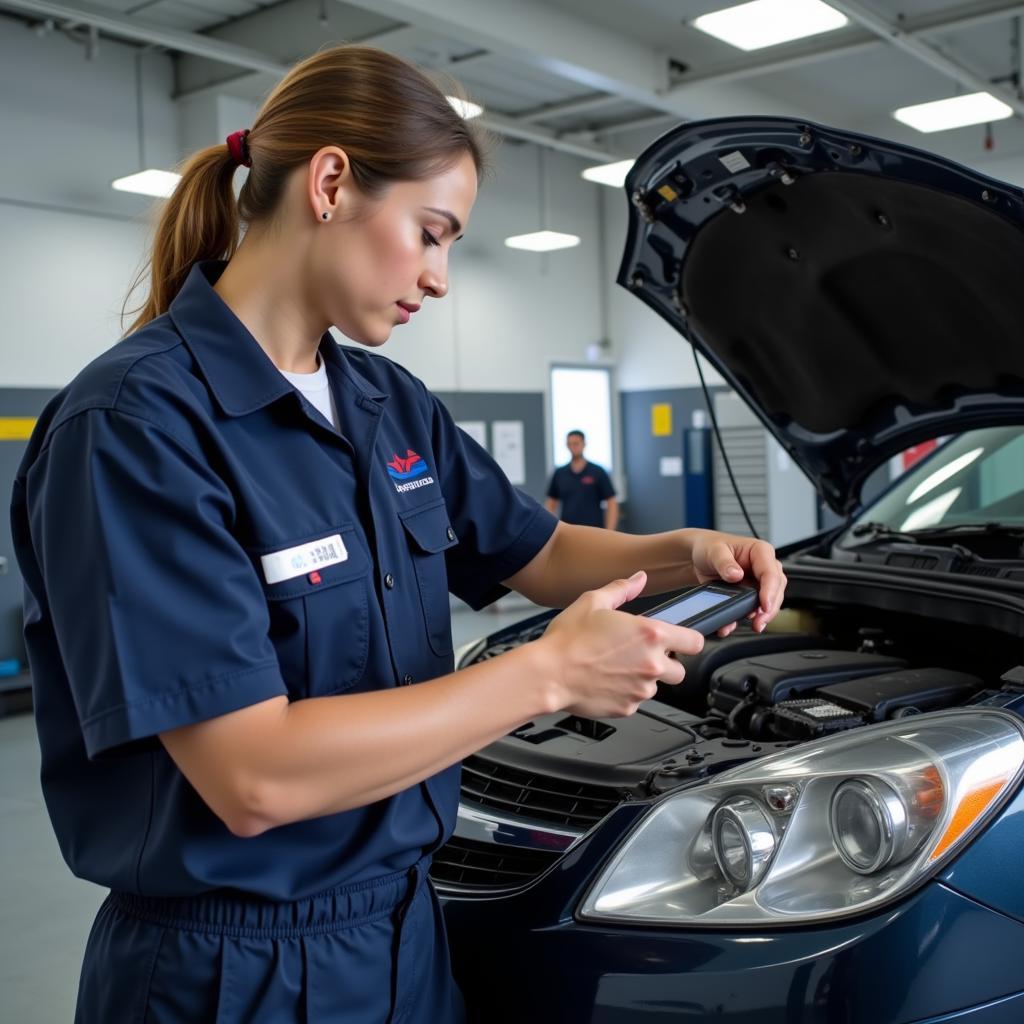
70,246
69,125
510,313
63,278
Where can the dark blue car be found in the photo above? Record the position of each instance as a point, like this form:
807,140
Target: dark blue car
823,823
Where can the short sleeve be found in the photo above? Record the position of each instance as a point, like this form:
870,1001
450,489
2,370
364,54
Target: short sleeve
553,487
157,611
500,528
607,489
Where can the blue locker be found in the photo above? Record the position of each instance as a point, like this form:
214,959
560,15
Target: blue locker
698,489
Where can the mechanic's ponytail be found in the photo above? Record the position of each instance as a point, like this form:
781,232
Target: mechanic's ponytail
392,121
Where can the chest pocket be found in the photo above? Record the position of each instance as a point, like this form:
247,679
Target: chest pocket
321,631
431,534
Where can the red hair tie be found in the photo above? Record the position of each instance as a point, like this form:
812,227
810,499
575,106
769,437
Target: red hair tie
238,149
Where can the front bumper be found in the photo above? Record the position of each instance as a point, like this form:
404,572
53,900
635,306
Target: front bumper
938,955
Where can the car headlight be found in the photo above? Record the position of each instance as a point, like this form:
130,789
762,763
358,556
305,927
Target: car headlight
822,830
743,839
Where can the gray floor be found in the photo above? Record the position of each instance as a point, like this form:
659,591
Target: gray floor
46,912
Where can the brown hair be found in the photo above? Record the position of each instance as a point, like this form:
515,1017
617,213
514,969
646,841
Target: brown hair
394,123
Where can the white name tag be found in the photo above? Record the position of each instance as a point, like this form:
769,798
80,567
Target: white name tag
303,558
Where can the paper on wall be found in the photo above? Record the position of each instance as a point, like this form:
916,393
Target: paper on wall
509,449
476,429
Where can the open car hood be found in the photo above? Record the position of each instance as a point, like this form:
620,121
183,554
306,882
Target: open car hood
861,296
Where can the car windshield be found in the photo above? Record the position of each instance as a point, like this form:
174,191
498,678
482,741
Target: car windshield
975,478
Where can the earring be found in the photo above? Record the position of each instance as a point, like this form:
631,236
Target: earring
325,215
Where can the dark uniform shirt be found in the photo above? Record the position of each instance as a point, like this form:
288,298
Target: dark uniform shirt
195,538
581,493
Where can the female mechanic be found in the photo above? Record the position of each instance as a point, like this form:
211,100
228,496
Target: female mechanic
238,540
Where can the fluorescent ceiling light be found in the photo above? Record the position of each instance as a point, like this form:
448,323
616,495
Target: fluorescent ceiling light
956,112
609,174
148,183
464,108
542,241
769,22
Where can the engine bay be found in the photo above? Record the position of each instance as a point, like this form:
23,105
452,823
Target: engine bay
822,667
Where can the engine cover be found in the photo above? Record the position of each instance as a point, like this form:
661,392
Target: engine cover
769,679
910,692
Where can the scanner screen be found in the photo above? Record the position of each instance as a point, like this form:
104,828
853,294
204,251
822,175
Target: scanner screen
686,607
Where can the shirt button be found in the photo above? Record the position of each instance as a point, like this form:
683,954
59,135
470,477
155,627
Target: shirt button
451,533
389,581
407,679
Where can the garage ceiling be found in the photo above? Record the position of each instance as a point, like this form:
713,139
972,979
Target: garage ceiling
600,78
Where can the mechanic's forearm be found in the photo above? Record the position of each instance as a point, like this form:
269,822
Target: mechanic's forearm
581,558
324,755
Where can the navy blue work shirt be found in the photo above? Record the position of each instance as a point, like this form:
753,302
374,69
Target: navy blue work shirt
581,493
195,538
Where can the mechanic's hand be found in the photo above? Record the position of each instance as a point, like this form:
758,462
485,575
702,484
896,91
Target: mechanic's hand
607,662
726,556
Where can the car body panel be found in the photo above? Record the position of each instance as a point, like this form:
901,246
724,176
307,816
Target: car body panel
985,870
1008,1010
855,971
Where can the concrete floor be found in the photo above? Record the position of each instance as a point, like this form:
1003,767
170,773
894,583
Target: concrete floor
45,912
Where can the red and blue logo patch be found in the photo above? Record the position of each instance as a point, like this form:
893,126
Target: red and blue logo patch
408,468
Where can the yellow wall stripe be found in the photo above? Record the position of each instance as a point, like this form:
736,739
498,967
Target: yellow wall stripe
16,428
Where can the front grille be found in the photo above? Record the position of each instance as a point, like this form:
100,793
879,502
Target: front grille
468,864
545,798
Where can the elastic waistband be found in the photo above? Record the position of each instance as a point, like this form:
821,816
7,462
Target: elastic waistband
244,915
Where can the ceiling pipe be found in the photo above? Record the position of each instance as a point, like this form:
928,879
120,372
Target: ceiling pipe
908,38
925,52
567,107
140,31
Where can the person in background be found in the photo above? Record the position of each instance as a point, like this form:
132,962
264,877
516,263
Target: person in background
581,487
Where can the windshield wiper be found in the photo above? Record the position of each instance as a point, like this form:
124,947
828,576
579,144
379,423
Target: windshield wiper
880,530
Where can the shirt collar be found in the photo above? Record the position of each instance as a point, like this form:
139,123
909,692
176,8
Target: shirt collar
240,374
333,355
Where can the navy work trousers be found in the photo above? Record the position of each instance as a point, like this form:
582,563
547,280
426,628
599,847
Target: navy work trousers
373,953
